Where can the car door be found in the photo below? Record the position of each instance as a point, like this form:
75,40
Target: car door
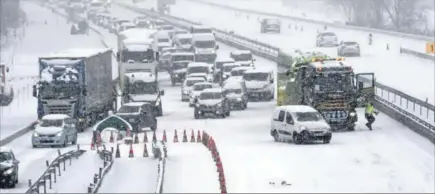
289,123
15,161
280,124
365,85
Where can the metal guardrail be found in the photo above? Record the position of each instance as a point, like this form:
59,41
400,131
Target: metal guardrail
108,160
417,54
160,152
348,27
413,120
54,170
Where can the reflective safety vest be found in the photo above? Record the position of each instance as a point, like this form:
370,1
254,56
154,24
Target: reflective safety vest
370,109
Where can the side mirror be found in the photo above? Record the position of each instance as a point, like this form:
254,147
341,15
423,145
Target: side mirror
16,162
360,85
162,92
291,122
84,92
118,57
287,73
34,93
217,47
271,81
157,56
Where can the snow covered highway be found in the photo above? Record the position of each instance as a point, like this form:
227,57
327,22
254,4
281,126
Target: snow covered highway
391,158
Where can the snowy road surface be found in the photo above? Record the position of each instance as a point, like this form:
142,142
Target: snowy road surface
131,175
190,169
379,161
46,33
391,68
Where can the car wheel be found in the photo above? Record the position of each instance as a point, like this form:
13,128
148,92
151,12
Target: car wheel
326,140
228,113
154,127
296,138
276,136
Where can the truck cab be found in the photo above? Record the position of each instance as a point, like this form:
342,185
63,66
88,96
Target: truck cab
183,42
178,66
143,87
162,40
6,90
243,57
332,88
204,47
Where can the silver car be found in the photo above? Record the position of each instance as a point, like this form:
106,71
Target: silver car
55,130
349,48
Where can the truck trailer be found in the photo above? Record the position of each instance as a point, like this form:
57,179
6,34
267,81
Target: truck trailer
78,83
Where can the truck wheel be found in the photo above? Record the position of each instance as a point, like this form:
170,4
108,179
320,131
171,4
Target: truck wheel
326,139
275,136
350,128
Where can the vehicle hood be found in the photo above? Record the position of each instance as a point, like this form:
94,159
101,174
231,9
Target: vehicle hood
198,74
210,102
256,84
195,93
48,130
315,125
143,97
6,164
185,46
244,63
205,50
187,88
351,47
329,38
164,44
179,71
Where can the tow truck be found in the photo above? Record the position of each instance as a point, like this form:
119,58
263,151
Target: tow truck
331,87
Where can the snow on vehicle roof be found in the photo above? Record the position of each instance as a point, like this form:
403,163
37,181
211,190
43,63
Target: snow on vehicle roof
128,24
77,53
232,84
212,90
329,63
182,54
221,58
135,103
181,36
297,108
198,64
201,27
231,64
141,76
138,40
258,71
161,34
241,52
138,32
241,68
200,37
195,78
55,117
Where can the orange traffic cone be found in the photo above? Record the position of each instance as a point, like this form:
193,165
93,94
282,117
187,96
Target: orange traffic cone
198,138
117,153
131,152
136,138
210,143
145,137
175,136
154,137
184,136
164,139
192,137
111,140
145,150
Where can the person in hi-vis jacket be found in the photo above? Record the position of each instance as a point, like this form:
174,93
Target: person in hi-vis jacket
369,111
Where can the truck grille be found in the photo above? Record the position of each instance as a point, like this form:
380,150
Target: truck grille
59,109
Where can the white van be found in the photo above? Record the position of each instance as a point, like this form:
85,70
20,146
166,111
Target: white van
300,124
183,42
260,84
204,46
162,40
199,69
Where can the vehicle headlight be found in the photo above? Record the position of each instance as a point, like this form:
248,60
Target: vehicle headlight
197,105
225,76
185,92
219,105
239,99
9,171
59,134
81,119
176,75
352,114
35,134
302,128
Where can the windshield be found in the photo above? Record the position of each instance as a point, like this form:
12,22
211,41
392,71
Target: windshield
201,87
5,156
205,44
228,68
191,82
242,57
201,30
255,76
141,87
59,91
350,43
328,34
182,58
184,41
180,65
210,95
308,116
233,90
270,21
51,123
129,109
198,69
163,40
237,73
333,82
138,56
205,58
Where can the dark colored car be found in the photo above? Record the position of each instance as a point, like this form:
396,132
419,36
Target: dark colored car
212,101
139,114
8,169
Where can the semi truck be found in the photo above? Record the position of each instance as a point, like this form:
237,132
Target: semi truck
76,82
